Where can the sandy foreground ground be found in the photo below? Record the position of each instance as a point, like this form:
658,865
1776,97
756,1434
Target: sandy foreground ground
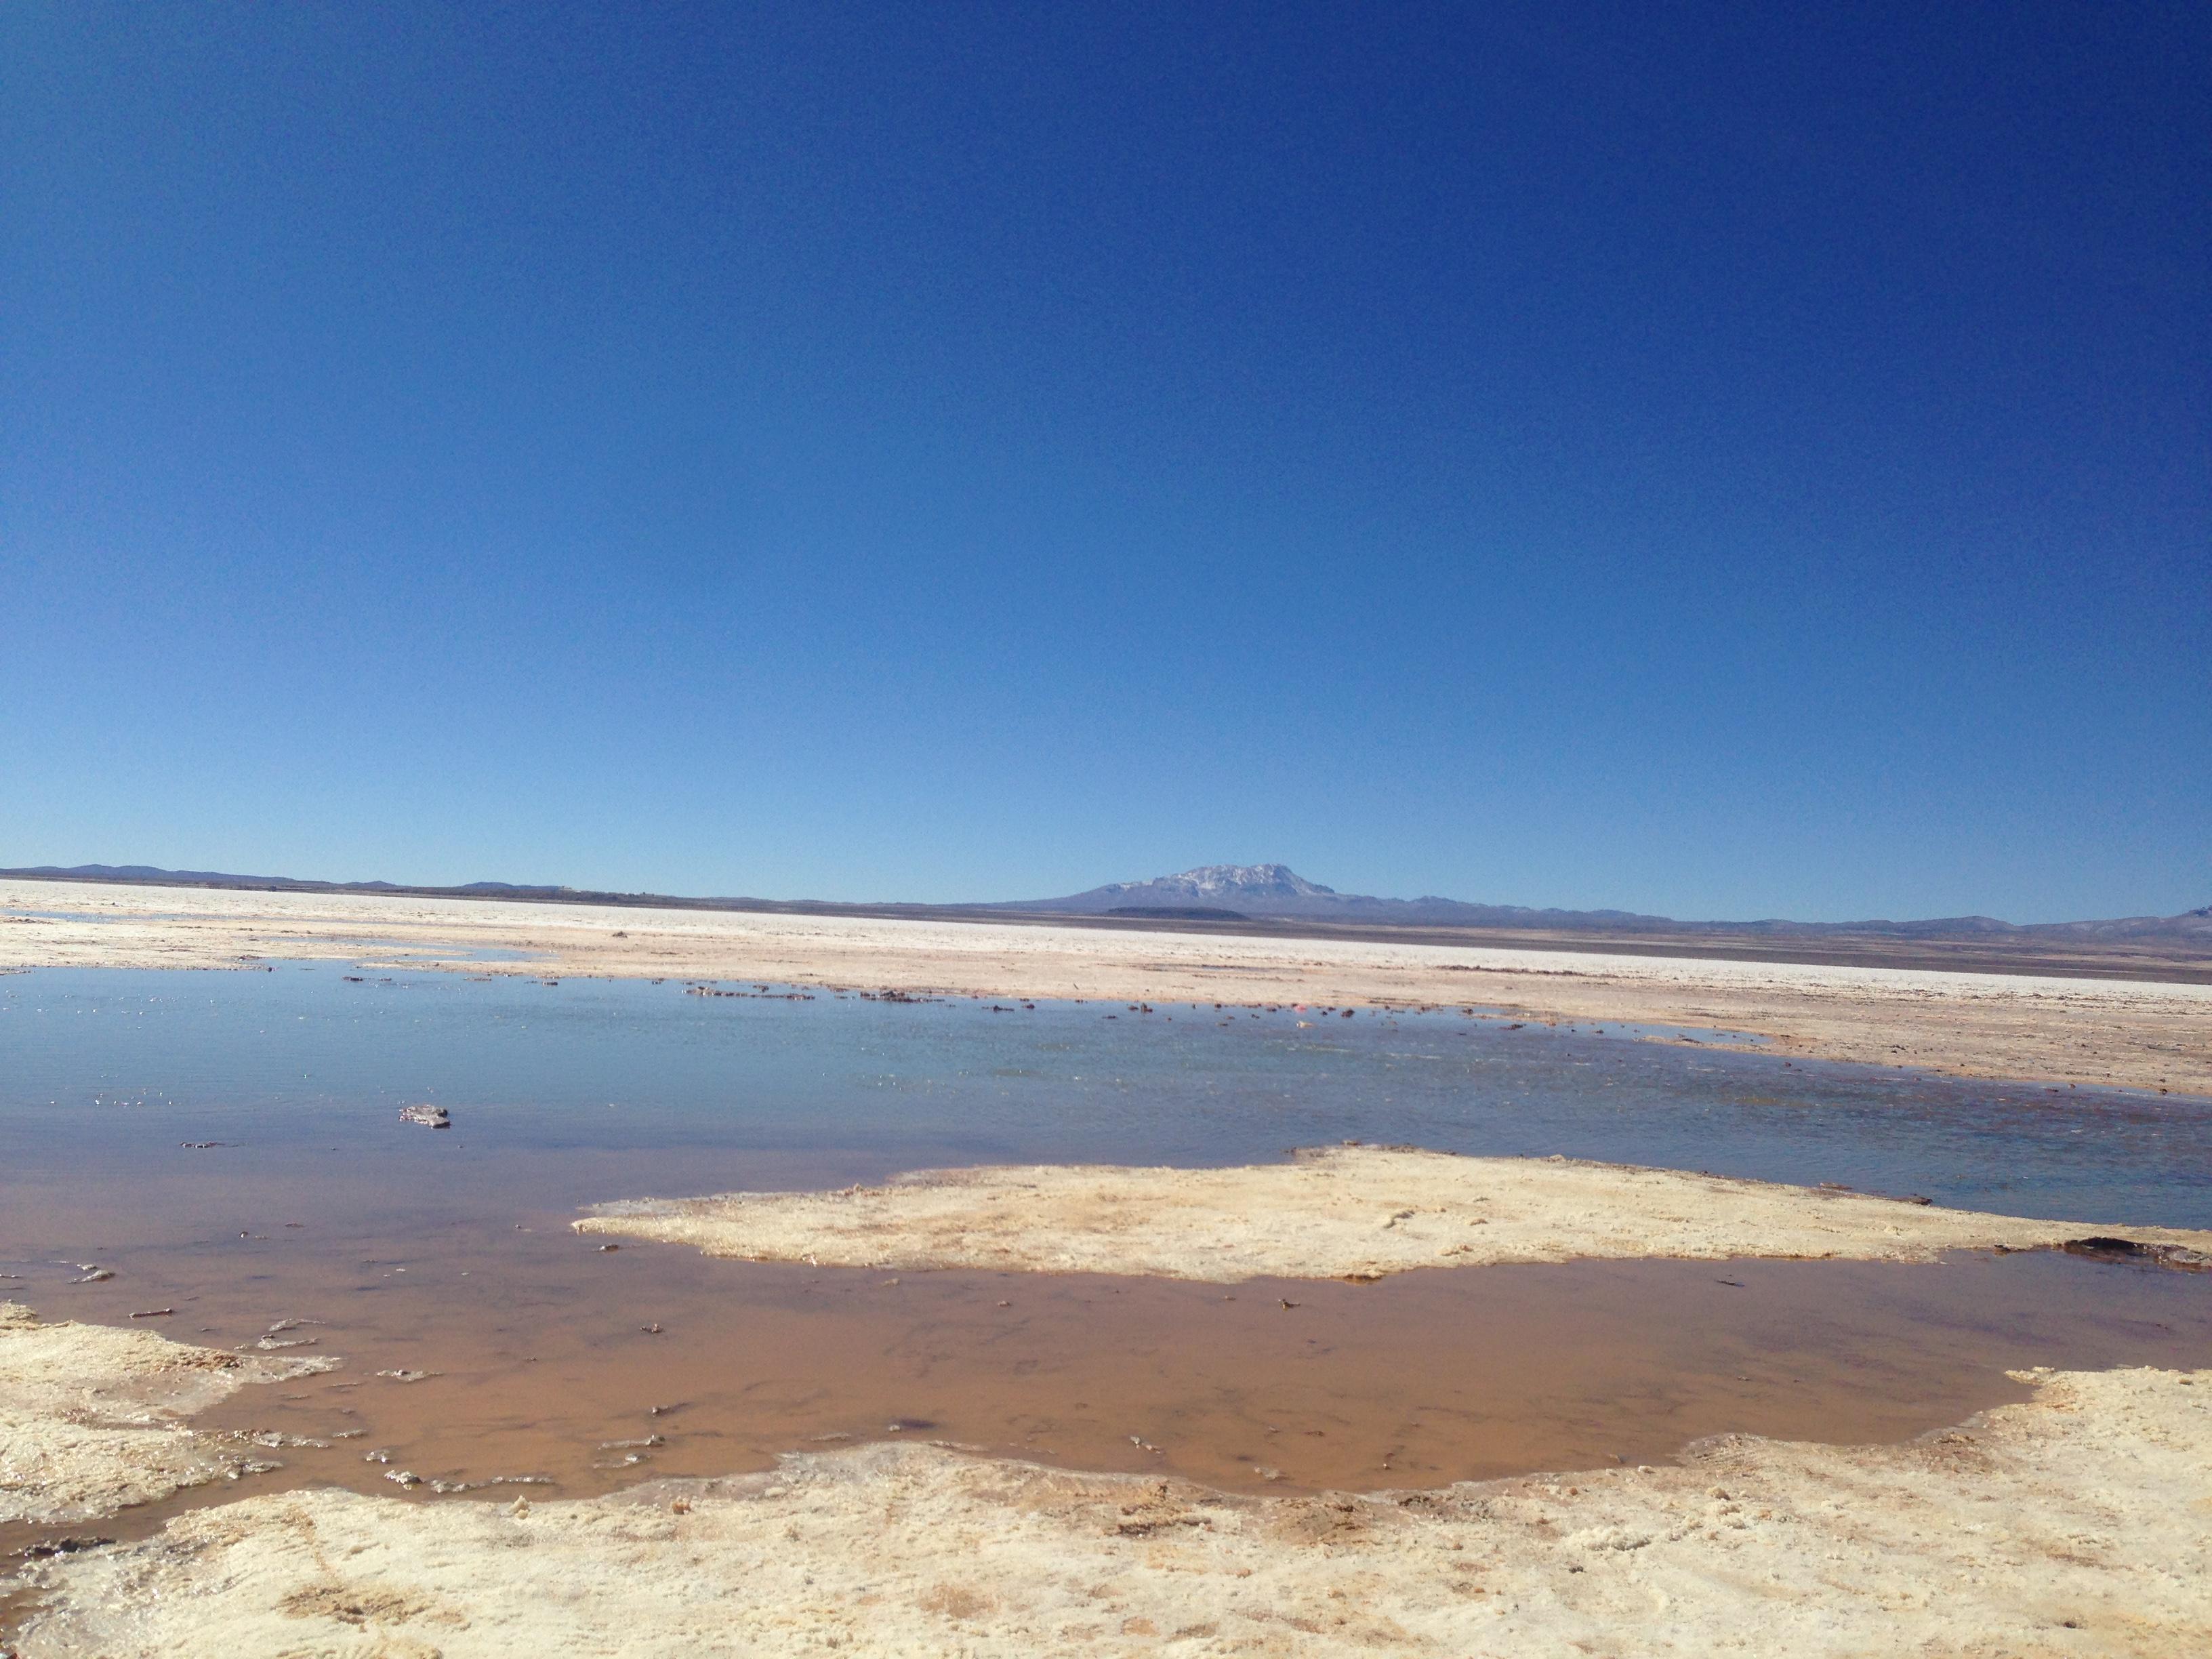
91,1418
2122,1033
2076,1523
1338,1213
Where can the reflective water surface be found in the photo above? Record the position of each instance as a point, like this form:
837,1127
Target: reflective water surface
560,1089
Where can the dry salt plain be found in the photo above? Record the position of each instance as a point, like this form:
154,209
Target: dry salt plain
789,1284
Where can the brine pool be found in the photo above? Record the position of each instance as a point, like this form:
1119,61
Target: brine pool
228,1146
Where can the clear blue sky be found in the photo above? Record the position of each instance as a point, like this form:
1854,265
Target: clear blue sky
1713,459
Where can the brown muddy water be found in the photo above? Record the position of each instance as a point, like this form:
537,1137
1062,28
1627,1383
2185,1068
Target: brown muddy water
316,1219
551,1367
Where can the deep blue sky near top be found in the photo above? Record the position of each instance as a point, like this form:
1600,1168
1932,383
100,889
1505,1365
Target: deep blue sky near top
1718,460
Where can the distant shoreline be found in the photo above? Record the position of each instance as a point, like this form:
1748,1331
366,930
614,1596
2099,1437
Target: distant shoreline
2159,961
2122,1029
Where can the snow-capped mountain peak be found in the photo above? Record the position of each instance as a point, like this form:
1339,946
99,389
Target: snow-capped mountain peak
1217,883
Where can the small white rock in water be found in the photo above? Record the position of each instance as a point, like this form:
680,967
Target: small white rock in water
446,1486
430,1117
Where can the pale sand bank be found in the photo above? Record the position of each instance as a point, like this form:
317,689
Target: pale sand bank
1340,1211
90,1416
2121,1033
2074,1524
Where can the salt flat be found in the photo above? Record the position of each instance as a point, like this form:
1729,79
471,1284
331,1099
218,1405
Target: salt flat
92,1418
2072,1523
1344,1211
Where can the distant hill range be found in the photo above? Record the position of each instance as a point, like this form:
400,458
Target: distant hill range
1272,897
153,876
1275,892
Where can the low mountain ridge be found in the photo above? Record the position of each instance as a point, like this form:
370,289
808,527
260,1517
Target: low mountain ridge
155,876
1258,893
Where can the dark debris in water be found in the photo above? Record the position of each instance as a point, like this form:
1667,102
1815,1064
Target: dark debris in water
47,1548
2099,1247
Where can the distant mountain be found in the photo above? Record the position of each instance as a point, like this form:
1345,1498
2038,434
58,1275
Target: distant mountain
1277,890
137,872
1274,892
156,877
1243,881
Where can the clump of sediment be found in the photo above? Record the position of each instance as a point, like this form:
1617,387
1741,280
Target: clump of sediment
1347,1211
2070,1524
90,1416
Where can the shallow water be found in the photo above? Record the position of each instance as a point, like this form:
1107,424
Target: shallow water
570,1093
446,1252
529,1352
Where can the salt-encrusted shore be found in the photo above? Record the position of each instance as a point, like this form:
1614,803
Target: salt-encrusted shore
92,1418
2073,1524
1342,1212
2115,1032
